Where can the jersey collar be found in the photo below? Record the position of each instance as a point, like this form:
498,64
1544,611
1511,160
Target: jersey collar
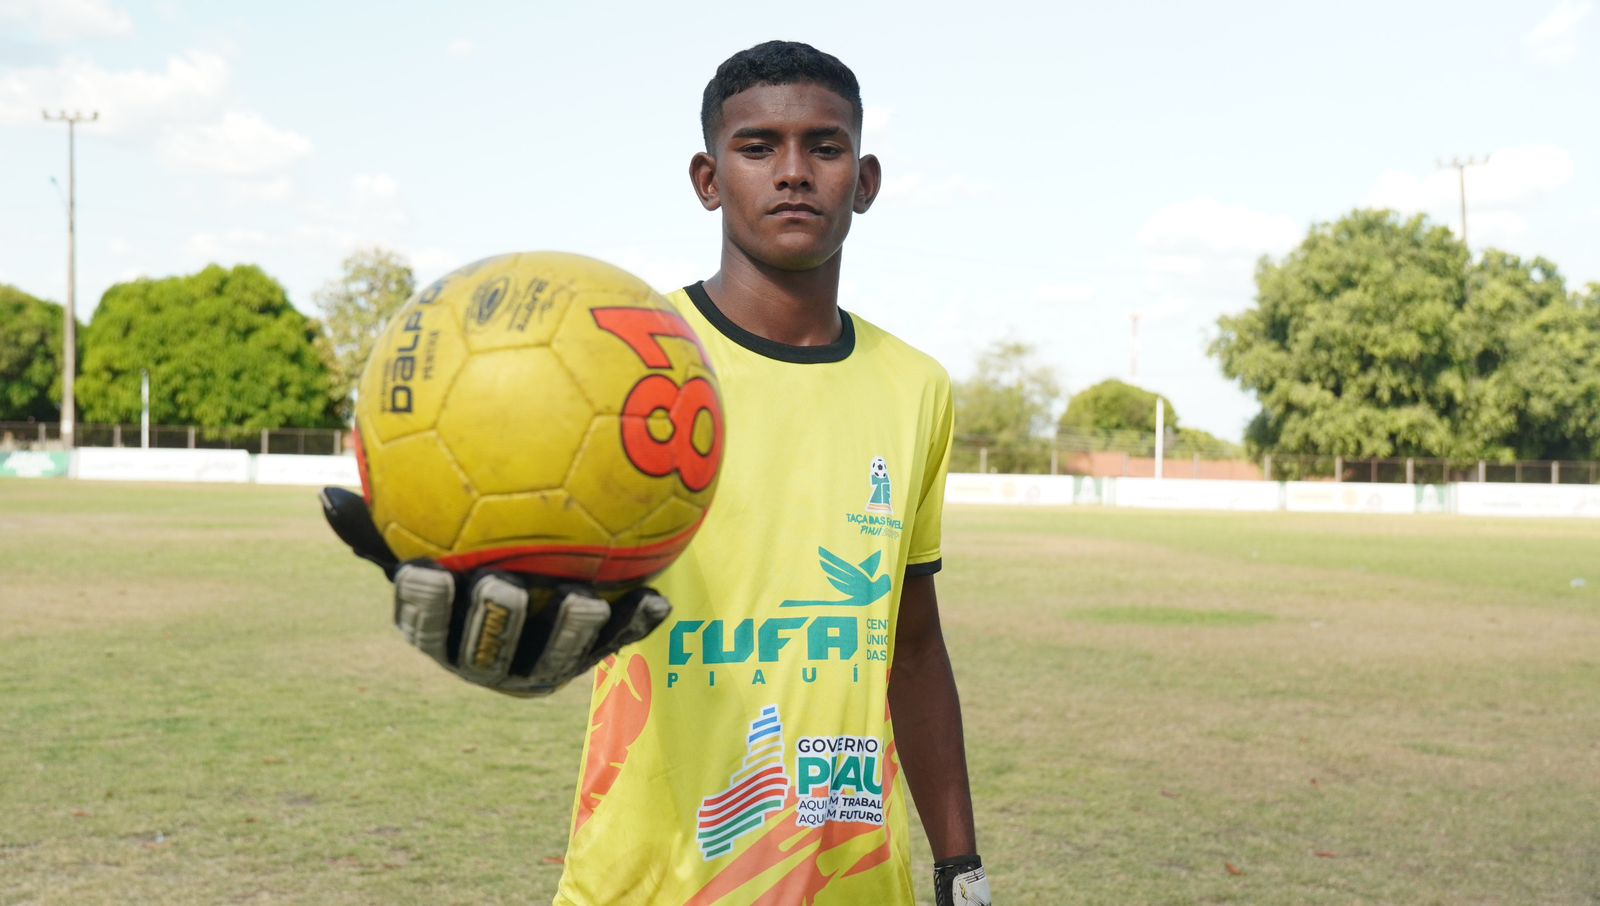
837,351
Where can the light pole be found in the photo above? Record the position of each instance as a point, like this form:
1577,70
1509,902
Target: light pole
69,357
1460,165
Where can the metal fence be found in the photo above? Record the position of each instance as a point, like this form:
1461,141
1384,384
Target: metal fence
1132,456
47,436
1429,471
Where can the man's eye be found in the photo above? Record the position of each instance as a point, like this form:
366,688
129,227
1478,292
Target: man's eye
828,151
755,149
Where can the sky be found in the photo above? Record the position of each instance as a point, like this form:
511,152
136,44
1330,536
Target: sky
1050,170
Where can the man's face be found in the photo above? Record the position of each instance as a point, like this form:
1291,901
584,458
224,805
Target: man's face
786,174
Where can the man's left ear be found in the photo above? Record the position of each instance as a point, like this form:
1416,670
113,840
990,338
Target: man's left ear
868,183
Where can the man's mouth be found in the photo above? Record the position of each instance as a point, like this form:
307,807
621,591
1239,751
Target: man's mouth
794,209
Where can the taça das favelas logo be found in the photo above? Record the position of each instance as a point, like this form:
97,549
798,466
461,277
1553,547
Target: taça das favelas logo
878,519
757,788
882,498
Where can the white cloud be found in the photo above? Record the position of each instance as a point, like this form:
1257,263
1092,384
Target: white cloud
431,262
128,101
275,190
1554,39
229,245
918,188
460,48
875,119
374,186
61,21
1512,177
240,144
1063,293
1205,225
1498,228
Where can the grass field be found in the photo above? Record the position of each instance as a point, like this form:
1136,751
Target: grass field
202,701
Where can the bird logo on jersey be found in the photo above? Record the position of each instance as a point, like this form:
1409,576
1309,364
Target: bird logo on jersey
881,500
855,581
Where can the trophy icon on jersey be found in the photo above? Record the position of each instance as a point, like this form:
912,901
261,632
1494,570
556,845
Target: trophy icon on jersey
878,474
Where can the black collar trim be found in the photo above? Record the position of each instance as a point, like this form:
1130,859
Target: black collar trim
837,351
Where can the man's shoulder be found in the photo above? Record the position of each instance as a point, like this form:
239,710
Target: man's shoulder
875,342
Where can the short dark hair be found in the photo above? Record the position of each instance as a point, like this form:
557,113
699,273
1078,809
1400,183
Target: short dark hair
775,63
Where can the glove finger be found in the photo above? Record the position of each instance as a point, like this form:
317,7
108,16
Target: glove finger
575,619
491,633
348,516
423,599
634,616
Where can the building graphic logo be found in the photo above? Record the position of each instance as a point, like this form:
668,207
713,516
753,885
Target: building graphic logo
881,500
756,789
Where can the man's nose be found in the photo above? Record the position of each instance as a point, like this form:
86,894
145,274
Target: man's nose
794,169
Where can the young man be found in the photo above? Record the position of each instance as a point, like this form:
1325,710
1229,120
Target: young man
744,753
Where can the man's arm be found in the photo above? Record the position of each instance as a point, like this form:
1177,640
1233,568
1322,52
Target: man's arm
927,723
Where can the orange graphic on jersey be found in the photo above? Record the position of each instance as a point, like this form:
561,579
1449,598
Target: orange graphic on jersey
624,707
781,840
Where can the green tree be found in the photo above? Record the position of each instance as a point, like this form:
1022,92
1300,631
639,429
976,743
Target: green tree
1114,415
224,349
1377,337
30,357
355,306
1006,408
1112,406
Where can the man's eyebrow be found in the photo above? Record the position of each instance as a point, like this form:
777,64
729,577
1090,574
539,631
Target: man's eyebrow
766,134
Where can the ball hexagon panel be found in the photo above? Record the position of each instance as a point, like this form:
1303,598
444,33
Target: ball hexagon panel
419,494
514,420
510,308
669,520
409,373
609,487
608,354
536,520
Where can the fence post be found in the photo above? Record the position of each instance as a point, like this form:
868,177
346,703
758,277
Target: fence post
116,435
263,440
1266,466
1054,459
1517,472
191,437
983,460
338,441
1338,468
1410,471
1483,472
1555,471
41,432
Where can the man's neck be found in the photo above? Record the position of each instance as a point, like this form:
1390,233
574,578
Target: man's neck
795,308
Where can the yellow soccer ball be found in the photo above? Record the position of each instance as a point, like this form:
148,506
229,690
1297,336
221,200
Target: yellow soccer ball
543,413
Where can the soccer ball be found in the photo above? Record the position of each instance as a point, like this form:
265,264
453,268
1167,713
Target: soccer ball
543,413
879,468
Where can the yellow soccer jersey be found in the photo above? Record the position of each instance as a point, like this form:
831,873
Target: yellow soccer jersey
742,753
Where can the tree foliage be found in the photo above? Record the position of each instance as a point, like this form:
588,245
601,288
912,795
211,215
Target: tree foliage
1006,407
1112,406
373,285
1378,337
30,357
224,349
1114,415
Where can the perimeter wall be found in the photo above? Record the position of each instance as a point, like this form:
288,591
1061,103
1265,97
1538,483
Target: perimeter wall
1465,498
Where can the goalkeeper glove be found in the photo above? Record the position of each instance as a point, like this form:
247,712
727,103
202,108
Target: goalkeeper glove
961,882
521,635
